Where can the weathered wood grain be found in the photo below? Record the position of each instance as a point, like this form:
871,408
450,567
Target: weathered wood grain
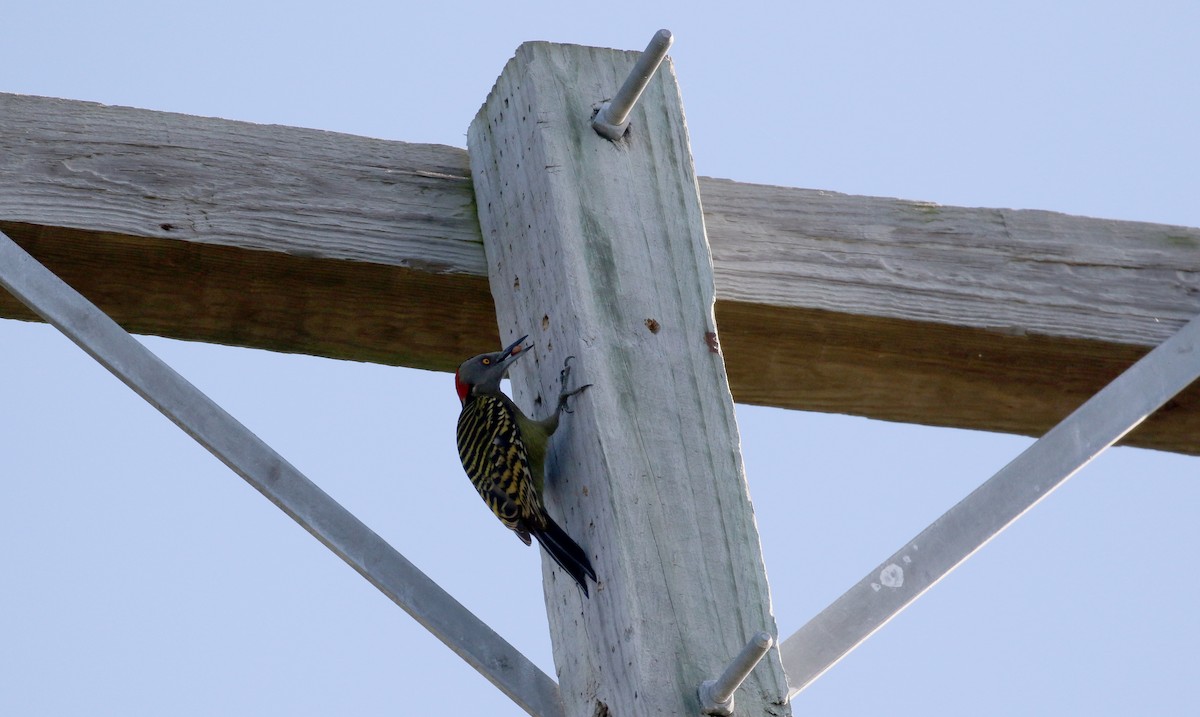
300,191
230,232
370,250
998,319
1019,272
597,250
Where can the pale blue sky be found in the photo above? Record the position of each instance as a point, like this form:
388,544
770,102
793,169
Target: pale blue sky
141,577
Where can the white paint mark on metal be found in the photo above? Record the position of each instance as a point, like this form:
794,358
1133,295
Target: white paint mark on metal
892,576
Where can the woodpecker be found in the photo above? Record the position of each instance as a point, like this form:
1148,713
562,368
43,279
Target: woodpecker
503,452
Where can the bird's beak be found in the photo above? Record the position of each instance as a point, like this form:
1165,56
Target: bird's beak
516,350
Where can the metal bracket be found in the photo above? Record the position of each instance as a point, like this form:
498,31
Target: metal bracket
612,119
716,696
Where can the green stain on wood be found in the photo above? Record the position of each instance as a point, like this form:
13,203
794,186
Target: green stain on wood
1183,240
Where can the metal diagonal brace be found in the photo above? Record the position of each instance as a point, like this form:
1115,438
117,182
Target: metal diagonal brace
965,528
278,480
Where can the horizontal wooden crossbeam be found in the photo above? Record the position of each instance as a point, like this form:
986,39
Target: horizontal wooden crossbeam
314,242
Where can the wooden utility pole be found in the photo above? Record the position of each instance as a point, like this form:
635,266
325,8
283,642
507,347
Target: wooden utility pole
596,247
597,250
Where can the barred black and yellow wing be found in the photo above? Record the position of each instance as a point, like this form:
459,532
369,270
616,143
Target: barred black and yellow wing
497,462
496,459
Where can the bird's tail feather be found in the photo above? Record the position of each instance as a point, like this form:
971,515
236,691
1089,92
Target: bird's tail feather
566,552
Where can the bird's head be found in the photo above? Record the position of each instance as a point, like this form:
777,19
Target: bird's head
482,373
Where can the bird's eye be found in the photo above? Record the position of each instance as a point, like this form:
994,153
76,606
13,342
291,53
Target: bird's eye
487,362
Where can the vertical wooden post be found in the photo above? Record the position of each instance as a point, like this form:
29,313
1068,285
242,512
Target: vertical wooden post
597,249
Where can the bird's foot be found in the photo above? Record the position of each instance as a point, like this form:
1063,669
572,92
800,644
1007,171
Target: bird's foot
564,393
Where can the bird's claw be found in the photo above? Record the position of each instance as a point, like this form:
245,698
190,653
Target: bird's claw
565,394
562,398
